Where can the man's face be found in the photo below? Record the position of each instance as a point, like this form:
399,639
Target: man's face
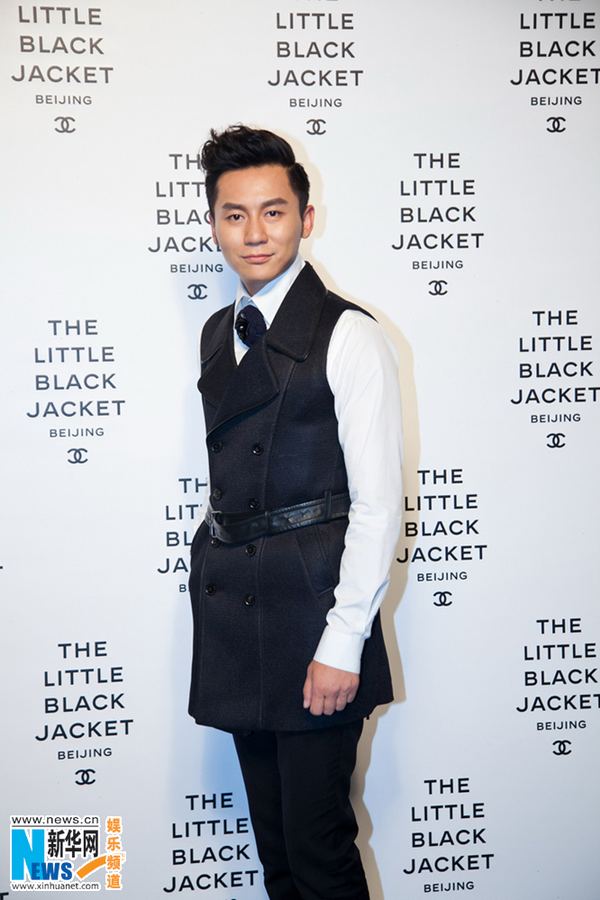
257,223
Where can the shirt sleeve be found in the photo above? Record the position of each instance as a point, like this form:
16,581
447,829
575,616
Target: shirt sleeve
363,375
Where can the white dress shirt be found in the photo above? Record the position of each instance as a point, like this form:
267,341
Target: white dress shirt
363,376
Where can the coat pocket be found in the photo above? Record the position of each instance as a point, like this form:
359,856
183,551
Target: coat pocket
318,567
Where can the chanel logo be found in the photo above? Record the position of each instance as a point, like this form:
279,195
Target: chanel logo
555,439
197,292
562,748
438,288
555,123
442,598
85,776
64,125
316,126
78,455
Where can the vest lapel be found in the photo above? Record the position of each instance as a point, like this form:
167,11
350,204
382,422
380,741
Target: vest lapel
294,327
234,389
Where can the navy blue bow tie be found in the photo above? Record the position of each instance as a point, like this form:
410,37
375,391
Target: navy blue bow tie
250,325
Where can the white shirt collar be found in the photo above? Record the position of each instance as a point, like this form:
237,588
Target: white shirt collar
270,297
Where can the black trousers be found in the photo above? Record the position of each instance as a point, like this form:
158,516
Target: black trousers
298,787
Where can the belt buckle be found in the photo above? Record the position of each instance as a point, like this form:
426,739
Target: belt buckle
214,519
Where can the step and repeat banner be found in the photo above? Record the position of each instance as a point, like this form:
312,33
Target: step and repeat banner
453,154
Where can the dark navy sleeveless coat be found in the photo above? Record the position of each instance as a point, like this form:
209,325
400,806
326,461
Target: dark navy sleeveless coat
259,608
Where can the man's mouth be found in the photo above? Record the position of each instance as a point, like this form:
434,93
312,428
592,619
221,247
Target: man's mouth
257,257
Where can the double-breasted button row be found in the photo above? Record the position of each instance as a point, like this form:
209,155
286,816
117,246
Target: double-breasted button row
249,548
211,589
217,446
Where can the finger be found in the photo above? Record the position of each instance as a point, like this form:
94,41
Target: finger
316,707
307,691
341,703
329,704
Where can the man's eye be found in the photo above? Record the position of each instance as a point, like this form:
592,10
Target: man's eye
274,213
234,217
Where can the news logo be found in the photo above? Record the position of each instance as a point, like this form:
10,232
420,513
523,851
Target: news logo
46,852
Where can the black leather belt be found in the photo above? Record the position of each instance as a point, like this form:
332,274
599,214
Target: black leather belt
233,528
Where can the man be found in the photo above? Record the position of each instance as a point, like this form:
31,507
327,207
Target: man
302,414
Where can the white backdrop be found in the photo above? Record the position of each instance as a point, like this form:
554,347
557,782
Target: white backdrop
452,150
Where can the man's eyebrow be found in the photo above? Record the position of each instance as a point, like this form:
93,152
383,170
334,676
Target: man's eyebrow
275,201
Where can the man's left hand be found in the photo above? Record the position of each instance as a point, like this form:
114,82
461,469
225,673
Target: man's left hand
328,690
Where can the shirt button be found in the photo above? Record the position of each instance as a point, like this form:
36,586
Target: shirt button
250,549
257,449
216,446
210,588
249,600
214,542
253,503
217,494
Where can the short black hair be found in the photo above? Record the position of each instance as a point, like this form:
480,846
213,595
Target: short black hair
239,147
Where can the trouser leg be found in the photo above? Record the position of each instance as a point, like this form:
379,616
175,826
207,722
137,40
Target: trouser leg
298,786
257,753
320,826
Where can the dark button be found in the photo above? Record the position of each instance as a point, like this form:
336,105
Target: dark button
250,549
217,494
218,517
249,600
214,542
210,588
253,503
216,446
257,449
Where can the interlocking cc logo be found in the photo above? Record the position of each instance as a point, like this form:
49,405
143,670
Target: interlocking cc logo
562,748
555,124
64,124
555,439
77,455
442,598
316,126
85,776
197,292
438,288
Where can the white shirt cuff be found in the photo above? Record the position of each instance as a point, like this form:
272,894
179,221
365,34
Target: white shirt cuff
340,650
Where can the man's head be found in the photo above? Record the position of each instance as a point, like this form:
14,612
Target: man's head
258,199
240,147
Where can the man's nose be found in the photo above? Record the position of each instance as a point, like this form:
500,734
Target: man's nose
255,231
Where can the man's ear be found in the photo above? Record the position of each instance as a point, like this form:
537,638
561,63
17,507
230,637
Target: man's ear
308,220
